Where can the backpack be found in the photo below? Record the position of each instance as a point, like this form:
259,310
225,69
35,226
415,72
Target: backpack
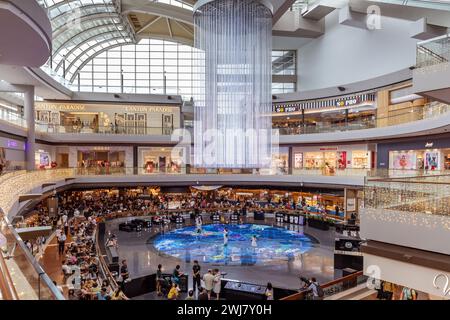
320,292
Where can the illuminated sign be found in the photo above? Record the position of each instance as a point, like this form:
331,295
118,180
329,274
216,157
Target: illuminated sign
428,144
281,109
12,144
348,102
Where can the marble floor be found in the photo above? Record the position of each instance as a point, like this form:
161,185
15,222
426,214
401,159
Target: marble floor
143,258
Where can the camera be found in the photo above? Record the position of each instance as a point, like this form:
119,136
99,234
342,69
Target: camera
305,280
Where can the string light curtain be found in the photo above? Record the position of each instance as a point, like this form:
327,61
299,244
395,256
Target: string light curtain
233,124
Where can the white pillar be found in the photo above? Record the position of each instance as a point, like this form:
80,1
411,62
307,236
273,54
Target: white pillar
30,119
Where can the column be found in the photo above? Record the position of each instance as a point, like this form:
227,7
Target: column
30,119
346,117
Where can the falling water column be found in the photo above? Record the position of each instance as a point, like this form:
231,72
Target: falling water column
233,84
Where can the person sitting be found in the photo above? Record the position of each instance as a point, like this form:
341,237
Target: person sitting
102,294
119,295
174,292
190,295
176,274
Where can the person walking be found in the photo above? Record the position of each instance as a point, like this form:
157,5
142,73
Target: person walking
196,277
62,243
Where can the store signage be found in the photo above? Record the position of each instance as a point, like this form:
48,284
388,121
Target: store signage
329,149
445,280
98,107
428,144
12,144
101,148
60,106
282,109
147,109
348,102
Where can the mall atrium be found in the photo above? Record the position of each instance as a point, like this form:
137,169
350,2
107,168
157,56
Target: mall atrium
232,150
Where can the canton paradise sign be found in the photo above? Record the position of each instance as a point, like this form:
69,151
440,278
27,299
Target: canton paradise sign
77,107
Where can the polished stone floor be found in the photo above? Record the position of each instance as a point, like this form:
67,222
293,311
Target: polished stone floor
143,258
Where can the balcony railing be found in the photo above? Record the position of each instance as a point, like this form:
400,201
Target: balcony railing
433,52
430,110
427,194
30,281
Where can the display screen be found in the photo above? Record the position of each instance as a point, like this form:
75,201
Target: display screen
342,159
404,160
44,159
298,160
432,160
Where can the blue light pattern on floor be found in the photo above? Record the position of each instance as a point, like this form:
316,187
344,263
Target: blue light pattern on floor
273,244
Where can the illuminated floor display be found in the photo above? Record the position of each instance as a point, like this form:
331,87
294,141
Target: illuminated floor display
272,244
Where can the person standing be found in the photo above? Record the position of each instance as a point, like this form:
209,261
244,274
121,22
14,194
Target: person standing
225,237
196,277
217,283
316,289
269,291
61,243
254,243
124,273
208,278
159,280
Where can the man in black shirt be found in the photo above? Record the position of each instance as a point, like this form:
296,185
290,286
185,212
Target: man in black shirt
196,275
124,271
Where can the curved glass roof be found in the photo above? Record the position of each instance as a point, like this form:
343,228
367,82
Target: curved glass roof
81,30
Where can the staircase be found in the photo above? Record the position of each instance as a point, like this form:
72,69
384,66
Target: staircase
360,292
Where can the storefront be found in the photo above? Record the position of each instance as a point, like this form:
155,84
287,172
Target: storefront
42,159
108,118
280,160
419,154
159,159
12,154
356,111
100,156
333,157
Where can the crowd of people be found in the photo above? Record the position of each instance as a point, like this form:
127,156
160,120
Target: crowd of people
77,218
210,290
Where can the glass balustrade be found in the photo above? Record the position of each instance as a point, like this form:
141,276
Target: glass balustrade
428,111
29,279
433,52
